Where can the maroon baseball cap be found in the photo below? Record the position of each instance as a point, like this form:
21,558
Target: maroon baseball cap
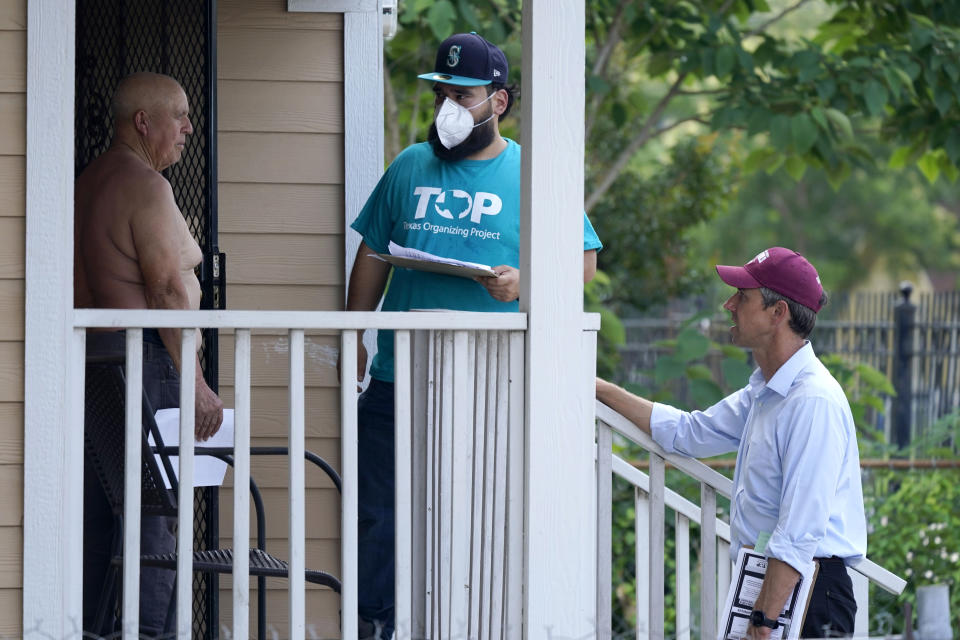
782,270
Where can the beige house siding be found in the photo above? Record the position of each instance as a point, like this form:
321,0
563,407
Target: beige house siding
13,118
281,224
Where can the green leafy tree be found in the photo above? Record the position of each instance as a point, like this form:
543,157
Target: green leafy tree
878,222
786,84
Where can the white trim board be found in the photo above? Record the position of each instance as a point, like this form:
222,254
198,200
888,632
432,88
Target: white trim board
332,6
53,445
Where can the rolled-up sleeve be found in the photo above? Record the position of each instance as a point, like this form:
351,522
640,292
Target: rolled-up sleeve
811,444
701,433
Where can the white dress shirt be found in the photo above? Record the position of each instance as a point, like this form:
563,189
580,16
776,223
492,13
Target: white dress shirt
798,469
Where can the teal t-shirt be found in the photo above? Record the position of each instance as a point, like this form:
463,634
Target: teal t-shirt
467,210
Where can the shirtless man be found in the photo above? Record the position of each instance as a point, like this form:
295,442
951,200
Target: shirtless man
133,250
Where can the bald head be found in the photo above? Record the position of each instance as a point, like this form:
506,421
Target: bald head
144,91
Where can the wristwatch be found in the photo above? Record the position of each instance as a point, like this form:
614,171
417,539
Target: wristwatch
759,619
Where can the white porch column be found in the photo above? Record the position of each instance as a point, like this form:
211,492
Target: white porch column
560,563
53,381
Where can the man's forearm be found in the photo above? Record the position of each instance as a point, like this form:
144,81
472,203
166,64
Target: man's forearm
169,297
778,583
368,278
633,407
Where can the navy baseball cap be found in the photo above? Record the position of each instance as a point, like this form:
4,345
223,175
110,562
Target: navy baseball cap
466,59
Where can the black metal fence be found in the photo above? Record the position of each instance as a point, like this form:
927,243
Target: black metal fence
913,340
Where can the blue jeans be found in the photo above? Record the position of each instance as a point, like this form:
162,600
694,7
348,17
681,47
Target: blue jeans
161,383
376,485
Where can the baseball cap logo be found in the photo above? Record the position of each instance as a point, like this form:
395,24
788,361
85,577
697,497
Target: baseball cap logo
453,56
763,255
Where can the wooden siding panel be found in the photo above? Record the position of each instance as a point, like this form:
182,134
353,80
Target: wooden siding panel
13,61
273,471
284,158
279,54
11,372
281,208
13,124
269,409
11,309
13,187
13,15
11,498
11,557
281,259
322,520
294,107
322,613
272,14
270,361
11,433
281,203
285,297
12,247
11,607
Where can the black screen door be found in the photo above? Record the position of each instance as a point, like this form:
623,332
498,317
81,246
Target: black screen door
115,38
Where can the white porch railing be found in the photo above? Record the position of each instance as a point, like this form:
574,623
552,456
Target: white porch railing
652,496
469,368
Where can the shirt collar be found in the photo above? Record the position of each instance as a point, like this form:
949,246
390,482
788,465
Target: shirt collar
783,379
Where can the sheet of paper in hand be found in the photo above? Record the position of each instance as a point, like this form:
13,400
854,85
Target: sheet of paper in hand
423,261
748,574
207,471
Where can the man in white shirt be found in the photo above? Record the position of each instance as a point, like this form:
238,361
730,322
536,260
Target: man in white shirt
797,477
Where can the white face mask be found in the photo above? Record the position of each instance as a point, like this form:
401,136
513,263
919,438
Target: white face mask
454,122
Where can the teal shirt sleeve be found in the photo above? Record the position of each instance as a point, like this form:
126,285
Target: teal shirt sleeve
590,238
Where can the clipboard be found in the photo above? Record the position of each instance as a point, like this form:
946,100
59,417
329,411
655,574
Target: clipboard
749,571
422,261
463,270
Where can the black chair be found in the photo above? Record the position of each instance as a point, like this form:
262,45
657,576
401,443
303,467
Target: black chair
104,419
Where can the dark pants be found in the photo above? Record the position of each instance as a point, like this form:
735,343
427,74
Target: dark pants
161,383
832,605
376,485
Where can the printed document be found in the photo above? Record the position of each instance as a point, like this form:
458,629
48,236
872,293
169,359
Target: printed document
748,574
207,470
423,261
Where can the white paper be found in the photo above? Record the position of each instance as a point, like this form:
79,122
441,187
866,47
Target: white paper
404,252
748,574
207,470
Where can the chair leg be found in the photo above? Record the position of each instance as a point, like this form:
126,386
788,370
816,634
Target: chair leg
261,607
170,624
110,595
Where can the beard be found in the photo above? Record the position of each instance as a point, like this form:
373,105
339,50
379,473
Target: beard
479,139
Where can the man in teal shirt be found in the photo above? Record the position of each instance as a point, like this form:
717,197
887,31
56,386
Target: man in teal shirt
455,196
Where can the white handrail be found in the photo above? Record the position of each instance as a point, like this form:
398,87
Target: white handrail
690,466
711,481
307,320
671,498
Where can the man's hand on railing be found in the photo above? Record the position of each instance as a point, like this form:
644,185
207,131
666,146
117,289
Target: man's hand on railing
630,406
209,411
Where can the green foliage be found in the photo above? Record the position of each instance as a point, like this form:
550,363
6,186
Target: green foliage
841,87
612,335
881,223
915,533
646,222
690,363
